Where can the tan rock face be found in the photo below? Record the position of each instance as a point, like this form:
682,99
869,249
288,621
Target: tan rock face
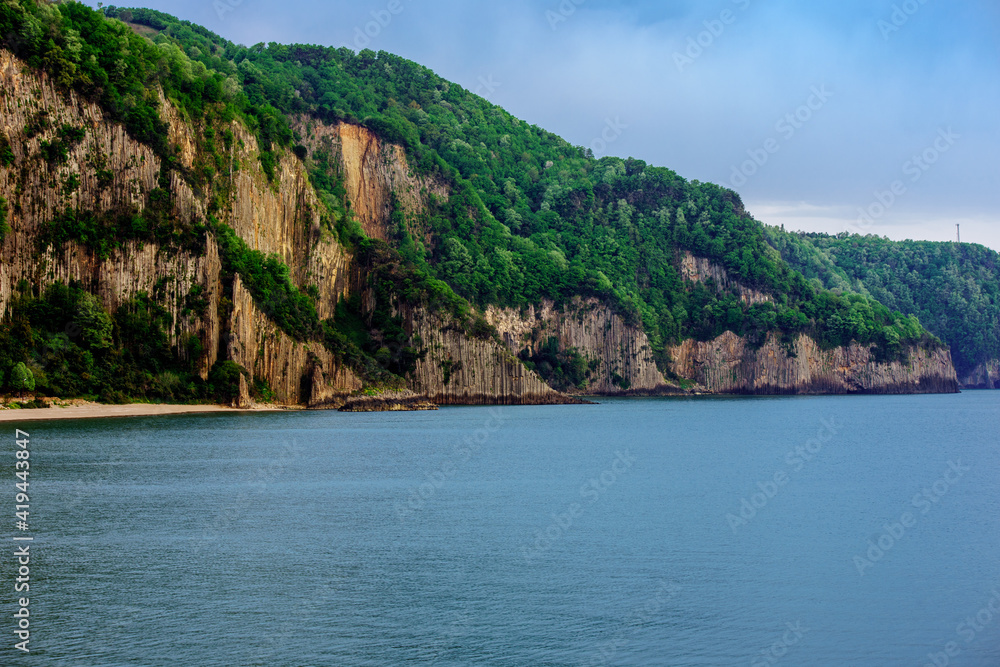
283,218
984,376
462,370
728,365
297,372
373,172
597,333
279,218
701,270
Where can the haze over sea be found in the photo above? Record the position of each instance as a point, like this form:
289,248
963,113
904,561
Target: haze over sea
854,530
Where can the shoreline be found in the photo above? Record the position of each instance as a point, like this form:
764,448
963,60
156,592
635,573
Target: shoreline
100,410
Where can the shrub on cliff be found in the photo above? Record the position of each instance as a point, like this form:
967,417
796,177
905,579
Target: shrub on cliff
4,227
224,380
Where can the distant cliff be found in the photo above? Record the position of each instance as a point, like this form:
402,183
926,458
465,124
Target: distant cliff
954,288
728,365
618,356
984,376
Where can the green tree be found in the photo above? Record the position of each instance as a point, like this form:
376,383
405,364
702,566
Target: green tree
21,379
96,325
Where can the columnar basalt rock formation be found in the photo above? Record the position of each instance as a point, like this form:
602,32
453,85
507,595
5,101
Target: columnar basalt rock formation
729,365
460,369
702,270
595,331
984,376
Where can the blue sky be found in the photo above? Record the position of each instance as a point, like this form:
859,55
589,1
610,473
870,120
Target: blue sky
814,111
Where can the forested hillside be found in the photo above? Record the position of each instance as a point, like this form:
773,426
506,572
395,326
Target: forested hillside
953,288
527,218
531,216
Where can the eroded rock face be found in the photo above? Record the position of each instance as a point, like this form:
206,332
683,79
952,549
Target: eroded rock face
624,359
298,372
701,270
373,172
984,376
459,369
728,365
116,173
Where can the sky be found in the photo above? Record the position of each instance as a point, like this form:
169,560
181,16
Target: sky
868,116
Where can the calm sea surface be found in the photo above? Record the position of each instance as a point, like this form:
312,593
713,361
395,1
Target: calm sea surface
861,531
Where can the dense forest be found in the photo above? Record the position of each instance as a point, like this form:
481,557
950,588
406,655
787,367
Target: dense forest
529,216
954,288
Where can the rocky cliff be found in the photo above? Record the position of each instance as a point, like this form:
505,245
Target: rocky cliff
116,173
622,361
729,365
726,365
376,174
984,376
462,369
701,270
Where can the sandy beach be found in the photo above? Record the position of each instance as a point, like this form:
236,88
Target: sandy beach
93,410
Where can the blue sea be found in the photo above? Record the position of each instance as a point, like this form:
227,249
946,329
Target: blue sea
852,530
